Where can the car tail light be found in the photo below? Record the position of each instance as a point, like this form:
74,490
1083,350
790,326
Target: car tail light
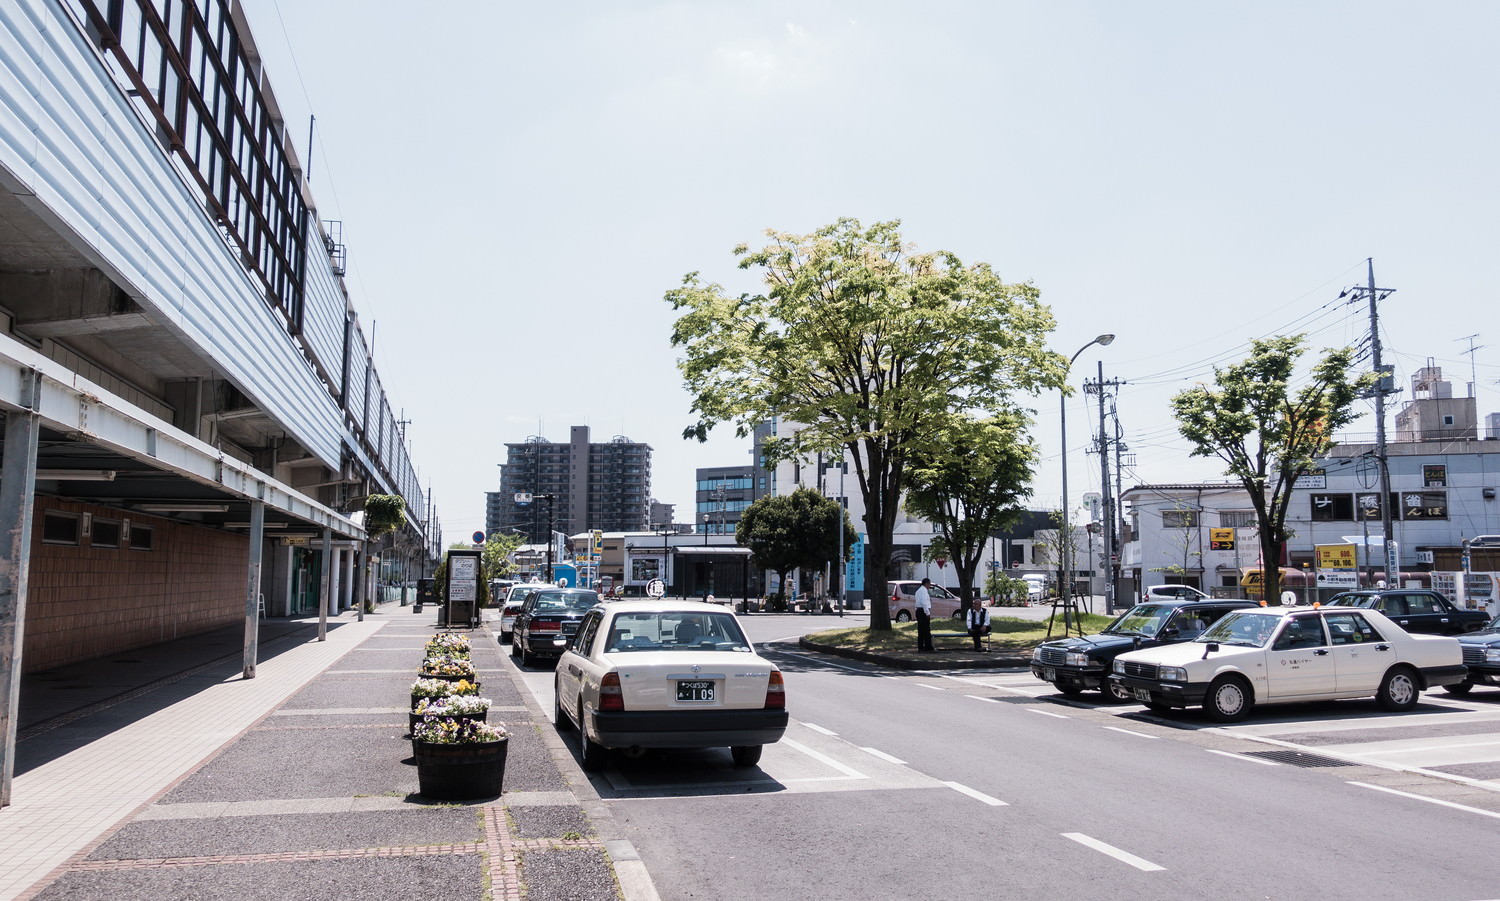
610,696
775,692
543,626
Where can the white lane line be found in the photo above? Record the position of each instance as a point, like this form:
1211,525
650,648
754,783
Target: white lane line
884,756
986,700
1243,757
1463,807
976,795
1048,713
1136,734
824,759
817,728
1112,851
932,687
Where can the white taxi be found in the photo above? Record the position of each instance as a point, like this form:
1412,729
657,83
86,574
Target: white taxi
667,674
1266,655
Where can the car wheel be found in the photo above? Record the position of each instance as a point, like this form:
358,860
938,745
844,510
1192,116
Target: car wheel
515,646
527,658
746,755
1116,693
559,718
1228,699
590,753
958,616
903,617
1398,690
1459,689
505,637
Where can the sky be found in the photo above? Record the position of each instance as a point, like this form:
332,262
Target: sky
520,184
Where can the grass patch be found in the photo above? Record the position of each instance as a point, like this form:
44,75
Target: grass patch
1010,633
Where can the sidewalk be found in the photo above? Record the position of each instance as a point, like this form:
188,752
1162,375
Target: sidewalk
163,774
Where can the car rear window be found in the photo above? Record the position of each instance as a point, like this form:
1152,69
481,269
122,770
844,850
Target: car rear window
554,601
661,631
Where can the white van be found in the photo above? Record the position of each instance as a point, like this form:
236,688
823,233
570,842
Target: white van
1036,586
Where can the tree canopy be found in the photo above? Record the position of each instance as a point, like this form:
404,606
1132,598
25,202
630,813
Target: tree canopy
1267,433
862,345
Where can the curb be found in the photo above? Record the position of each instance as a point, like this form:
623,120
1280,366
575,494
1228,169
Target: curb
962,660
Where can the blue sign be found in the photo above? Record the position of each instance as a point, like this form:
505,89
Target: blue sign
479,538
854,567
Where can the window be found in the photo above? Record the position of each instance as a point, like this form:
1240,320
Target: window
141,538
1237,519
1179,519
106,533
60,528
1332,507
1350,628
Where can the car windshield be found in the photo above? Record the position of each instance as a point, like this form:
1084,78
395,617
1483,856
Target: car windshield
939,591
556,601
1246,628
1144,620
1347,600
675,631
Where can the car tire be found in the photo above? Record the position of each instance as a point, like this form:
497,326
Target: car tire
559,717
903,617
1399,690
590,753
515,646
1228,699
505,637
527,658
1459,689
746,755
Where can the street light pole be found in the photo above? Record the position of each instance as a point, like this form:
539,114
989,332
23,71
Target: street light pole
1065,544
547,534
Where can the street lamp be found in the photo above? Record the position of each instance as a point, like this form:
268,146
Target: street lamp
1065,544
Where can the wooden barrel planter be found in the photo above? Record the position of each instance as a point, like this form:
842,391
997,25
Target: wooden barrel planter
466,772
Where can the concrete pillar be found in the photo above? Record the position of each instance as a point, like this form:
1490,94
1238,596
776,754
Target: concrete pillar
17,488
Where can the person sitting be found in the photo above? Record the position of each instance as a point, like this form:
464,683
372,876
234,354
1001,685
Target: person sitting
688,631
979,622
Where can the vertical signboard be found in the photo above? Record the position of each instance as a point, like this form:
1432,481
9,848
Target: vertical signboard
461,586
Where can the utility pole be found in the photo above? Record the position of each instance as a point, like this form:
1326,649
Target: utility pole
1383,387
1107,514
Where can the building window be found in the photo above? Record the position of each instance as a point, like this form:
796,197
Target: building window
1435,475
106,533
141,538
1179,519
1237,519
1424,505
1332,507
60,528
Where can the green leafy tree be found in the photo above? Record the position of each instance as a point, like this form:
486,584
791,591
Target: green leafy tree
968,479
794,530
860,345
1269,434
494,557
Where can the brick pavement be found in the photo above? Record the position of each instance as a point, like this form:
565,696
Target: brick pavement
295,784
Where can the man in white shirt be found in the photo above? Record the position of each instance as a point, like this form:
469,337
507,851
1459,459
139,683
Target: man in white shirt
979,622
924,618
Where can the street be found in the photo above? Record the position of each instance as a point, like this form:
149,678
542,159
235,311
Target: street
969,784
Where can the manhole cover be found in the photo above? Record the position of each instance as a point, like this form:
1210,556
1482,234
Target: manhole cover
1298,758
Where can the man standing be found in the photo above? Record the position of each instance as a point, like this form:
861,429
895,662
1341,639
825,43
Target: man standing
924,618
979,622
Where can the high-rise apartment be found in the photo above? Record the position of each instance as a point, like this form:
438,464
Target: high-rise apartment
604,485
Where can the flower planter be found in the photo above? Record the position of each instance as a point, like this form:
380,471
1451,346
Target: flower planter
417,699
460,772
459,678
413,718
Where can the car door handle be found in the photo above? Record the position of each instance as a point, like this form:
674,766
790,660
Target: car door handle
572,670
1382,647
1321,652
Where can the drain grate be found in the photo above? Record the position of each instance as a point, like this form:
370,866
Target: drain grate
1297,758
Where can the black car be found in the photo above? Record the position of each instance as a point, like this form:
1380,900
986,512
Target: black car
1481,656
1417,610
1076,664
547,620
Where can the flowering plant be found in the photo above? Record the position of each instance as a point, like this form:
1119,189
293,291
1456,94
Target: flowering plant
449,643
448,665
442,688
452,705
438,731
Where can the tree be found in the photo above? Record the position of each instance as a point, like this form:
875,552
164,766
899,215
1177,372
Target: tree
969,479
1267,434
794,530
862,346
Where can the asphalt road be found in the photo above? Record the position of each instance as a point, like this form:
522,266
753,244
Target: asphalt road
965,785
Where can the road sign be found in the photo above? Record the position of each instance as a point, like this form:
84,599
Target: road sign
656,588
479,538
523,498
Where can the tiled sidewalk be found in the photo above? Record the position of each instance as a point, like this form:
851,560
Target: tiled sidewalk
299,784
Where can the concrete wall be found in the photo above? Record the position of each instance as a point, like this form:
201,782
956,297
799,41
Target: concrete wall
85,602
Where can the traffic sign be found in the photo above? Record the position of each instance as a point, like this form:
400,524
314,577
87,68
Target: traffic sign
479,538
656,588
523,498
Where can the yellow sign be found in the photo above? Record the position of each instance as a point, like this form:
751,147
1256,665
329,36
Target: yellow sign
1221,539
1338,556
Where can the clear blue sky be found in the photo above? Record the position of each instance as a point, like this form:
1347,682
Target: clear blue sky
519,184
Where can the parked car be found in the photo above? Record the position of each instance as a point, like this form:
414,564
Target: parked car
1075,664
1267,655
1036,586
1481,656
515,599
1173,592
903,595
667,674
547,620
1414,609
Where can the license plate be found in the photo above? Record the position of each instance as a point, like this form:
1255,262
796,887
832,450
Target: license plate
695,690
1142,695
1049,674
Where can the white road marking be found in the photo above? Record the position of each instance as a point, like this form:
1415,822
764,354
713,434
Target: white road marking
976,795
1463,807
884,756
1112,851
824,759
1136,734
1243,757
933,687
1048,713
986,700
817,728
